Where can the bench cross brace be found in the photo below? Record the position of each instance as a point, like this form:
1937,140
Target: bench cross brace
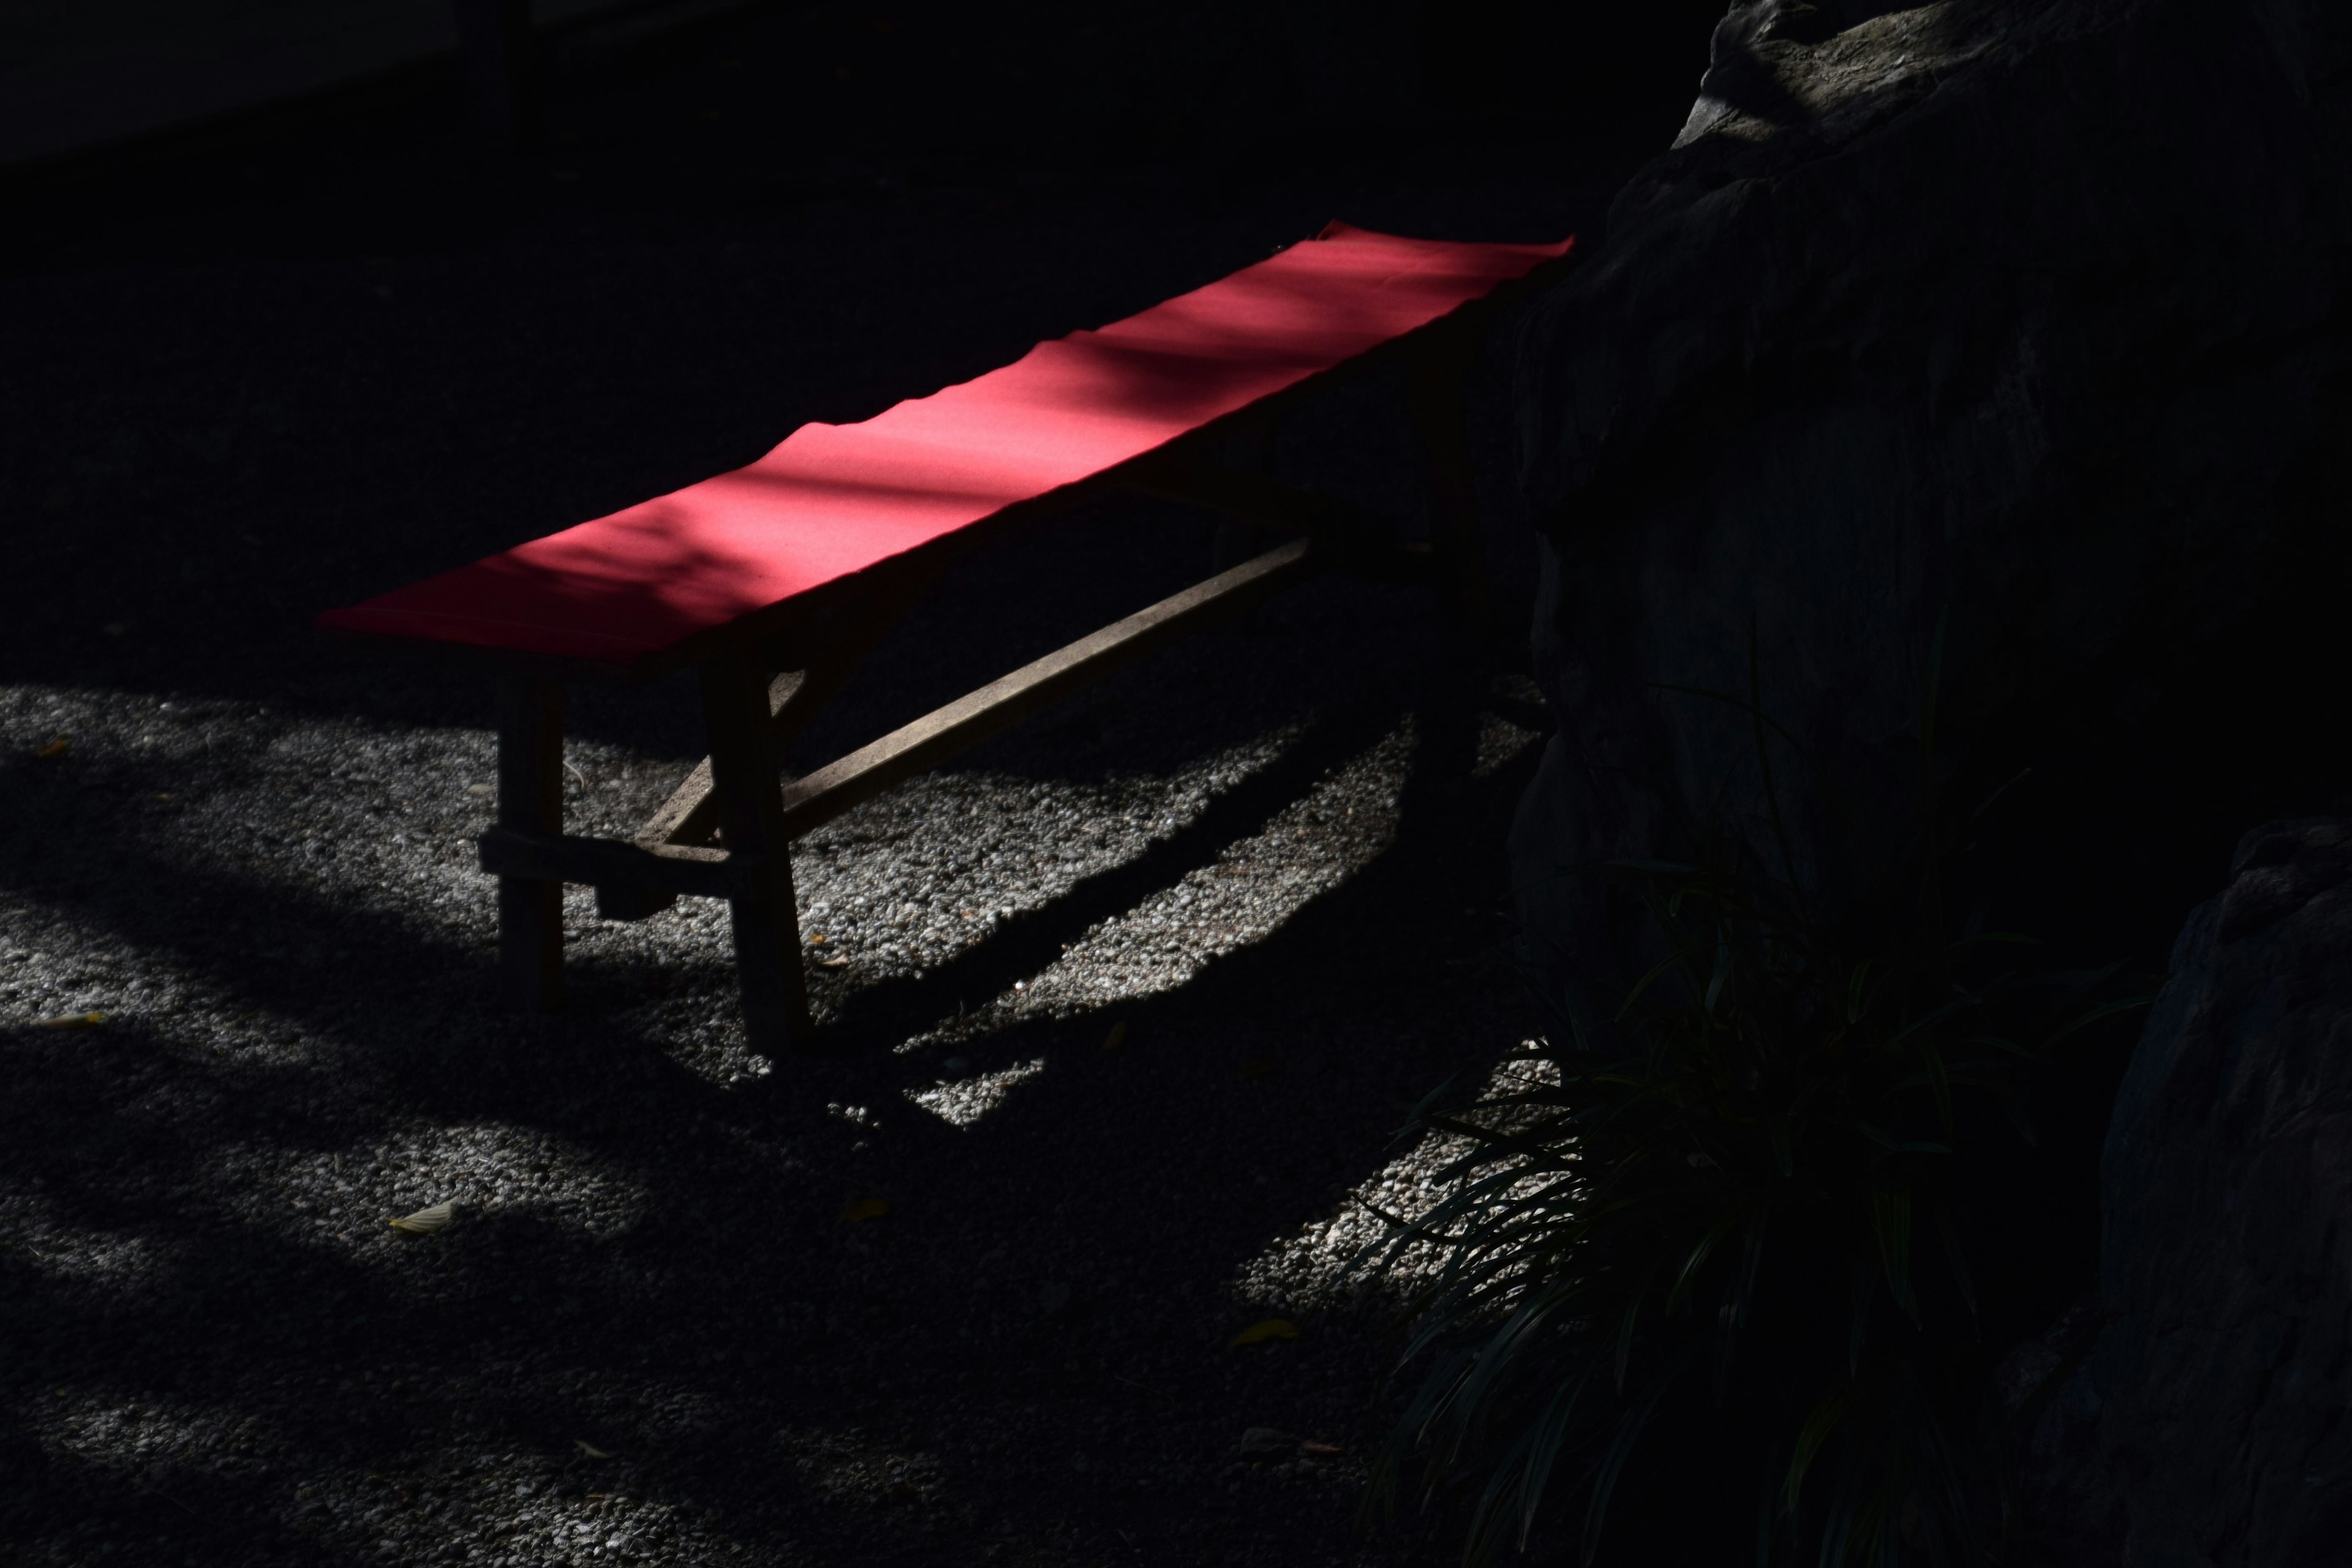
736,796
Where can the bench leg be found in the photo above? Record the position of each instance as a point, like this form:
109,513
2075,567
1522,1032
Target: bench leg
531,799
1441,419
745,776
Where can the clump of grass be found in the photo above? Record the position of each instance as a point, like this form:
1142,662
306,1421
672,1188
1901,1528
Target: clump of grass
1715,1225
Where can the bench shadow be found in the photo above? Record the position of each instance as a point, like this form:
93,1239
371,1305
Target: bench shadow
884,1012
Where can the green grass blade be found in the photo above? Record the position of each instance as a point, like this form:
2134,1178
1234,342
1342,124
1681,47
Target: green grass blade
1819,1422
1890,1220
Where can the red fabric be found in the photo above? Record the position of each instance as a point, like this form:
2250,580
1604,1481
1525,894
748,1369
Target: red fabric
833,500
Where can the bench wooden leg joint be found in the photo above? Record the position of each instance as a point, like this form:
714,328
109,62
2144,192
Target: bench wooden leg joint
747,784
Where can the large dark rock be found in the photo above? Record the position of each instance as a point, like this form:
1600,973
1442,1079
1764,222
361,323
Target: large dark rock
2029,310
2030,315
2027,315
2209,1426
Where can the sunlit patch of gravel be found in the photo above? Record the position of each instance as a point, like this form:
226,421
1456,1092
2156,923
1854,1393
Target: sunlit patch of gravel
32,1225
1500,741
961,1101
1324,1264
1310,847
842,1468
492,1507
968,851
152,1439
455,1502
346,1197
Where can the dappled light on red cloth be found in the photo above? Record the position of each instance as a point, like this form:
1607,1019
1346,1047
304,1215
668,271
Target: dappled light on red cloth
834,499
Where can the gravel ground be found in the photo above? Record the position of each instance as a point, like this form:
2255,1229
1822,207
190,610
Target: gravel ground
221,1351
1117,1013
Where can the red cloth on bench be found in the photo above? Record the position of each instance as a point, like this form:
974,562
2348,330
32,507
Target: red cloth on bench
833,500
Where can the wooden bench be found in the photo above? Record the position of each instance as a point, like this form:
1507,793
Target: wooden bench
803,561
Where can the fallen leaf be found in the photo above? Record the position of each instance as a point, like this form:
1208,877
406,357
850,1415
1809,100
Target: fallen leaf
816,939
833,963
1311,1447
1269,1328
1116,1038
863,1209
71,1021
55,749
589,1450
425,1222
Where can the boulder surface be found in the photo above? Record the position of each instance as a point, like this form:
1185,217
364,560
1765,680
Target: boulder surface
2207,1428
2027,315
2025,319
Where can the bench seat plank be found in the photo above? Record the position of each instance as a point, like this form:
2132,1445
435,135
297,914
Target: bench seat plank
833,501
